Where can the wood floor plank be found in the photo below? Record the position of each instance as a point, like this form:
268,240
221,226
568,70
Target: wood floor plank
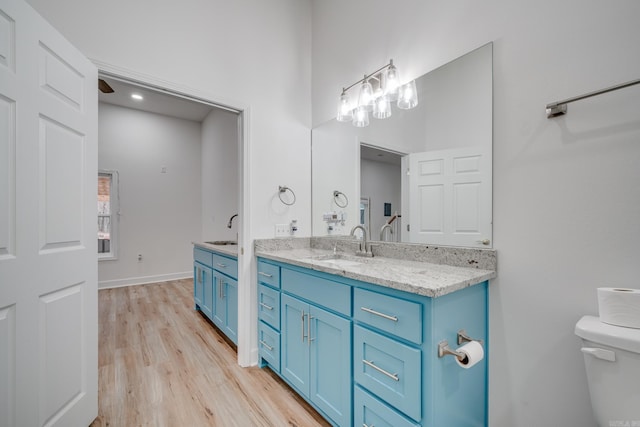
161,363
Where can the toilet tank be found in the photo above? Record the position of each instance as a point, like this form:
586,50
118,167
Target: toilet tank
612,361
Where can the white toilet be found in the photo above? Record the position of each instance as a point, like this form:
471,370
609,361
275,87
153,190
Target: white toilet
612,358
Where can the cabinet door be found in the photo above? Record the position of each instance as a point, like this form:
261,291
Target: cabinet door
219,310
202,288
198,285
230,300
207,291
294,354
330,364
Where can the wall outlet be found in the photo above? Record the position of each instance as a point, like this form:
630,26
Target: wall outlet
282,230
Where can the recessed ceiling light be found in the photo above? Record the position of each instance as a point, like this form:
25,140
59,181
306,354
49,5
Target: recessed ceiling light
137,96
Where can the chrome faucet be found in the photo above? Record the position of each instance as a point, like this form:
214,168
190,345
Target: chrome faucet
364,245
382,230
231,220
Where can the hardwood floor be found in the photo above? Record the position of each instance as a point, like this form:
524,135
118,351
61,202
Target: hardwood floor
161,363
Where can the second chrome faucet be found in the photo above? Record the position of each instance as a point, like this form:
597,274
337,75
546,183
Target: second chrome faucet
365,250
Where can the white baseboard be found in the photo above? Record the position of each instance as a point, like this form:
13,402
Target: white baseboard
129,281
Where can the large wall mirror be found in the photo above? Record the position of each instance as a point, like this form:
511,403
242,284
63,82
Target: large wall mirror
420,176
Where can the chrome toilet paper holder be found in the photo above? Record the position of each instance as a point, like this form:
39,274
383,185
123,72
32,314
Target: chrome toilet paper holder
444,349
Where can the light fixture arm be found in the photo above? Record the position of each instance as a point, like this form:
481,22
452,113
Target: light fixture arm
368,76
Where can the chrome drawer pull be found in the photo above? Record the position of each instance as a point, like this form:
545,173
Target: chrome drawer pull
386,316
221,265
262,273
268,307
264,344
370,363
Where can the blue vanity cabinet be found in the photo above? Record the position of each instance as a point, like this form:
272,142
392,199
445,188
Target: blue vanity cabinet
367,355
216,289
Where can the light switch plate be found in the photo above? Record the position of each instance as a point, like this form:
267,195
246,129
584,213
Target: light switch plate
282,230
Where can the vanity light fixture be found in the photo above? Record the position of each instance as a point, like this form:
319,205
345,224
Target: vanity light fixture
377,91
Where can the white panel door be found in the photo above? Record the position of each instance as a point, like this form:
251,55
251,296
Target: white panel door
48,260
450,197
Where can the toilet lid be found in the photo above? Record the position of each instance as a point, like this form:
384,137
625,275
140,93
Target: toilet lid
592,329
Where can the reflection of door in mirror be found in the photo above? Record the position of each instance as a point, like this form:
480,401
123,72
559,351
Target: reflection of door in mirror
449,197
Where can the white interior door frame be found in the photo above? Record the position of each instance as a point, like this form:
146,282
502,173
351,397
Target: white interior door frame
247,291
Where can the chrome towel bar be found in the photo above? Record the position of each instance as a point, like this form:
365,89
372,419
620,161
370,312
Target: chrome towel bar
559,108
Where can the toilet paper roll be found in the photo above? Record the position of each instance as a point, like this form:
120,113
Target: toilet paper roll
473,353
619,306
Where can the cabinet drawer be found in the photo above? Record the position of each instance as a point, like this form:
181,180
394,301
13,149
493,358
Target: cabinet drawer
323,292
202,256
369,411
228,266
393,315
269,274
388,369
269,345
269,306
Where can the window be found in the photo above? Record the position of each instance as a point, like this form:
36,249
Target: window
107,214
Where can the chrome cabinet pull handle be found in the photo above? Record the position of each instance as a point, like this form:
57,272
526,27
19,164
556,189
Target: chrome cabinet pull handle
221,265
302,325
309,339
377,368
267,346
377,313
268,307
262,273
220,288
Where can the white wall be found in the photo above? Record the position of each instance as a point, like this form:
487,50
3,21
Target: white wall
566,193
220,183
160,212
381,183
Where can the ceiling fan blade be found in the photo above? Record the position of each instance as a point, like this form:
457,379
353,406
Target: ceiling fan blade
104,86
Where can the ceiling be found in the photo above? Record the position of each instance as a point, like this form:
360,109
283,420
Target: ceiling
154,101
377,155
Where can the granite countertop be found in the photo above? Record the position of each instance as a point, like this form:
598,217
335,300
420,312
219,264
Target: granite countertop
231,250
418,277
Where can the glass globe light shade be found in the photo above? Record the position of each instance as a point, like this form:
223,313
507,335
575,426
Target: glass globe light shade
361,117
365,99
408,95
345,112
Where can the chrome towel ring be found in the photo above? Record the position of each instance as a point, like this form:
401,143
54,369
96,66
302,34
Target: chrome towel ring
336,198
283,189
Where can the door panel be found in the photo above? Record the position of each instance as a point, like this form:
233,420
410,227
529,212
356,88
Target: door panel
294,355
48,255
330,363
